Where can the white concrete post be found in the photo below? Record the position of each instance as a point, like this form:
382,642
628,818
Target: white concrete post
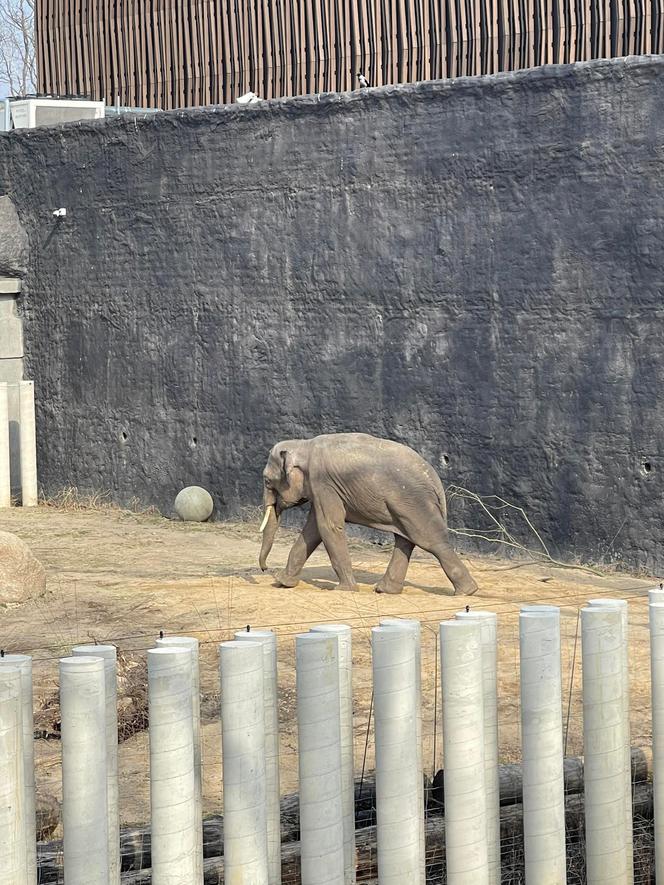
243,752
5,467
542,748
172,778
109,655
466,846
84,805
28,443
656,594
319,740
416,627
23,663
345,641
656,612
621,605
604,748
489,631
191,643
537,608
268,640
399,807
14,870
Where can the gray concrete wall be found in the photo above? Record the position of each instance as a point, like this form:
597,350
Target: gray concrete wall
14,252
11,368
474,267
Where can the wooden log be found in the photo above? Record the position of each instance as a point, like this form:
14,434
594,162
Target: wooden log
511,829
511,778
135,843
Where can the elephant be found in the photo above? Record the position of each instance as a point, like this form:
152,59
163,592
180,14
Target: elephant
360,479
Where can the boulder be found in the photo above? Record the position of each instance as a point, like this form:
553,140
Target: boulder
194,504
13,242
22,576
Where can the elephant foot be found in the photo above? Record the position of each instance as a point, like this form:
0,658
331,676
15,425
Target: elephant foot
468,588
387,587
353,588
283,579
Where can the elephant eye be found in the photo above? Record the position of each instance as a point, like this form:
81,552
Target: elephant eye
266,481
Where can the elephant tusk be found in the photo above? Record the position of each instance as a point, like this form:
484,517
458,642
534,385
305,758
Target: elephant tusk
266,518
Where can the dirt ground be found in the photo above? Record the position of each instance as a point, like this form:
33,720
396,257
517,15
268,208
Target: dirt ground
120,577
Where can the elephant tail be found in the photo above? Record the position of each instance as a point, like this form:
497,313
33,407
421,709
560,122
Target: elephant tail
440,494
442,502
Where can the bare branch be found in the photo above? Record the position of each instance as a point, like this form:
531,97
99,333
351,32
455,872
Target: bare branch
17,46
498,533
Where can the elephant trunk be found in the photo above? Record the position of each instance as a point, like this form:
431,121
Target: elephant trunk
269,528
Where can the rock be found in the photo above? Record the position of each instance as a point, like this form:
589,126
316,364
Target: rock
194,504
22,576
48,816
13,241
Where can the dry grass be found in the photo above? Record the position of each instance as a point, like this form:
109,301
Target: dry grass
47,716
132,702
132,695
71,499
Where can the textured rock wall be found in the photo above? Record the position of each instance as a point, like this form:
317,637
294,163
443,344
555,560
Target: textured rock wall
474,267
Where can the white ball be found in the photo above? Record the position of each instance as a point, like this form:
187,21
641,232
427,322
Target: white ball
194,504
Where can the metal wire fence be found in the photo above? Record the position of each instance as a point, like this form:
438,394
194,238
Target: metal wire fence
134,754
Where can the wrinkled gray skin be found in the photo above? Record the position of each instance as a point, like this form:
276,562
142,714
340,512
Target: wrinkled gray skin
354,477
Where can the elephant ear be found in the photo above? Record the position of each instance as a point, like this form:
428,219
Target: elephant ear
287,463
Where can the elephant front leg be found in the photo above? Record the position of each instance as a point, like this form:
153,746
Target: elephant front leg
331,517
392,580
307,541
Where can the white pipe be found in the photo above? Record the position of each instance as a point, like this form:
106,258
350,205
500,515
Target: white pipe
416,627
109,655
28,443
23,663
14,870
84,807
5,468
542,748
489,633
603,743
319,740
345,641
191,643
399,806
621,605
243,757
656,612
466,847
172,779
268,640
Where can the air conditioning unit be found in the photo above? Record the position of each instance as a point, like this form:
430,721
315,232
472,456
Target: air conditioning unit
26,113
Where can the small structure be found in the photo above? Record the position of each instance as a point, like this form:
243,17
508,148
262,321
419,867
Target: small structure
26,113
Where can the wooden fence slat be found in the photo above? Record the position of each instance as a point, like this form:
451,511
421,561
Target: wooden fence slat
174,53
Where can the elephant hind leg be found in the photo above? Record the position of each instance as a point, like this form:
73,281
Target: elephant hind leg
395,575
463,582
429,531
